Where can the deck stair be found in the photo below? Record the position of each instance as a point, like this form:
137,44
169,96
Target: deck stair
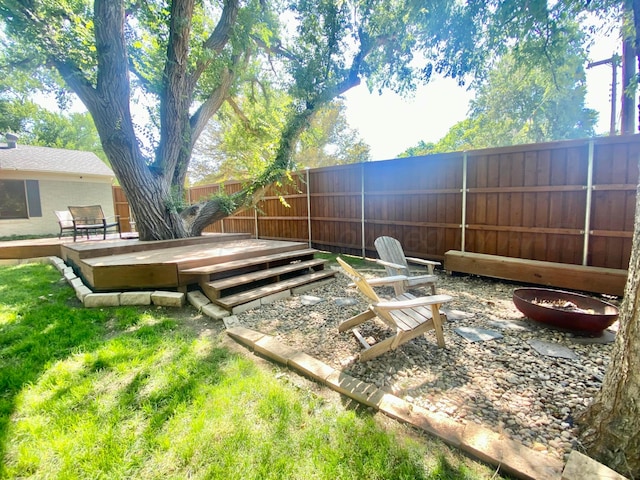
235,283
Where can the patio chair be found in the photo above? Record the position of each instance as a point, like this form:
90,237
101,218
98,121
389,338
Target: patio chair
392,258
65,221
407,315
91,218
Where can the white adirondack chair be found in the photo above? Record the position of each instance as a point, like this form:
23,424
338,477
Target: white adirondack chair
395,263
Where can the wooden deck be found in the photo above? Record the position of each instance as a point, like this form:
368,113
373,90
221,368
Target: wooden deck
231,269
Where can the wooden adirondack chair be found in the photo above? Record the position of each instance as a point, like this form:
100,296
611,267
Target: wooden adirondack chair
407,315
392,258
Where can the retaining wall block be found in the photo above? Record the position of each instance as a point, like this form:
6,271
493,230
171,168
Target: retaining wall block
135,298
82,291
215,311
109,299
168,299
197,299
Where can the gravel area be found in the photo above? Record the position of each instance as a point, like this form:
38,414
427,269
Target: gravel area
503,383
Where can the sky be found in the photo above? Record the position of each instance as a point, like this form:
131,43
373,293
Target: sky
390,124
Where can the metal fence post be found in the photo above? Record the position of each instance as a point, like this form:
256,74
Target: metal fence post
255,219
308,206
362,208
463,225
587,216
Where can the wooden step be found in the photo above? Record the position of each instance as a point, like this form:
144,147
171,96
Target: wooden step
247,296
230,282
238,264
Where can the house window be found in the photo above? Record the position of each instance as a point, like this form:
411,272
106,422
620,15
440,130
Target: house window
19,199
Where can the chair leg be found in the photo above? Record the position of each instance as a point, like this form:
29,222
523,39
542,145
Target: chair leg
437,324
356,320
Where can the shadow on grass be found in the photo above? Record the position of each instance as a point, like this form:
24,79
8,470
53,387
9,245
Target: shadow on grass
36,330
42,325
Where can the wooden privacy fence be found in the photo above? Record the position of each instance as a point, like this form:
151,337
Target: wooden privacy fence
567,202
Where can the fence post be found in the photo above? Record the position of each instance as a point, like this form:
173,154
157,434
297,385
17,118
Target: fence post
308,205
255,219
362,208
463,225
587,215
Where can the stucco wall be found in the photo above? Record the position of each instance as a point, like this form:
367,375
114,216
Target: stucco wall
57,192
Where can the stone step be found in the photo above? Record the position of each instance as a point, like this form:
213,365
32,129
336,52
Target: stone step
247,296
216,288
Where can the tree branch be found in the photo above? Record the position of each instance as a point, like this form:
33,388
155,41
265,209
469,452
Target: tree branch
238,111
210,106
177,89
218,38
275,49
220,35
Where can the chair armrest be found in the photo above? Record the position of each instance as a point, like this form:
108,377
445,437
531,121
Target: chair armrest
414,302
421,261
106,222
389,264
376,282
430,264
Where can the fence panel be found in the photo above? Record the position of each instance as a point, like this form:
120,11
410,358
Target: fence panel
416,200
336,208
282,213
121,207
615,179
528,203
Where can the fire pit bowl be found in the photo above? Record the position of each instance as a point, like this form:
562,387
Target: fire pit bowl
566,310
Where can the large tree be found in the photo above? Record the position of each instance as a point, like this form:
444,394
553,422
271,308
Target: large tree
185,57
109,51
611,424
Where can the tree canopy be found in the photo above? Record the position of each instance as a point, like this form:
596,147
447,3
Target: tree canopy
241,141
532,95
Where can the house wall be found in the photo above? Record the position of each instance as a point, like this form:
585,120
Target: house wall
57,192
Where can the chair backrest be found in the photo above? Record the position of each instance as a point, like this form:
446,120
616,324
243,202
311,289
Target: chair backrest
87,214
64,218
359,280
390,250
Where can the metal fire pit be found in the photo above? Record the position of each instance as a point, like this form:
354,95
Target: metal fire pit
566,310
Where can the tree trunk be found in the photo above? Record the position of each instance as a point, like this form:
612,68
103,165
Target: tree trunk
611,424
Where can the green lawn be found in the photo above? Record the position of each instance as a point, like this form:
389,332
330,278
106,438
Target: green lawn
138,393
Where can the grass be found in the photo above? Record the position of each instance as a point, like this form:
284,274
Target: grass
355,261
135,393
